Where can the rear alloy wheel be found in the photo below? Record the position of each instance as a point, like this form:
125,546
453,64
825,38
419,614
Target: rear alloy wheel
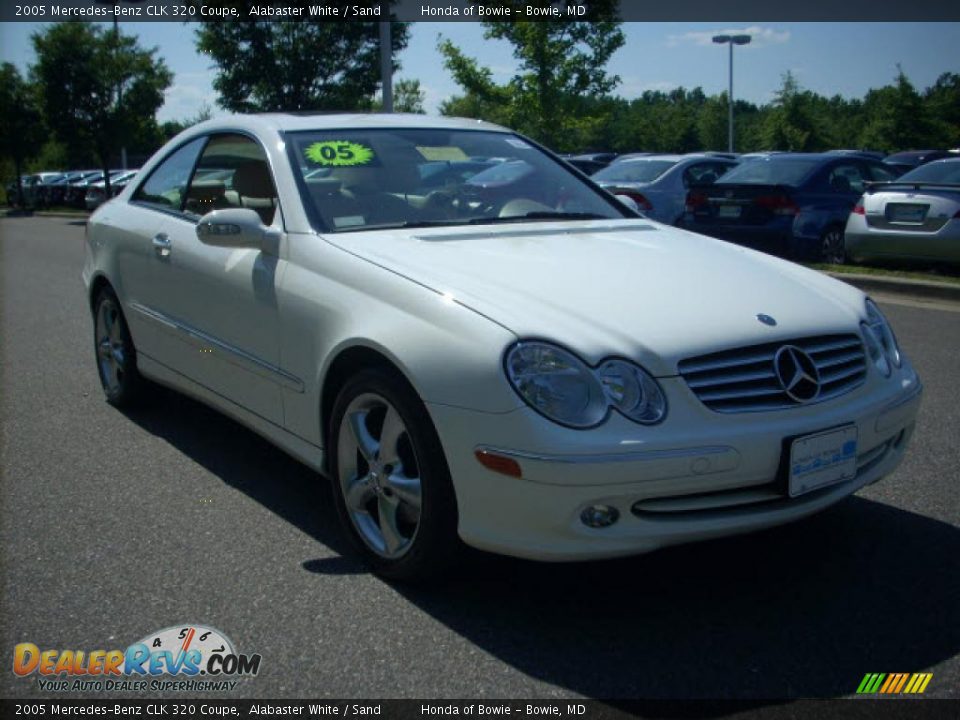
392,485
831,247
115,354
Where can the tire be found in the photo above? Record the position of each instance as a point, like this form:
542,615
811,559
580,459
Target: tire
391,482
831,246
114,352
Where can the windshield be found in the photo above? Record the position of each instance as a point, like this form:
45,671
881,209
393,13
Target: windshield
640,170
944,172
770,171
378,178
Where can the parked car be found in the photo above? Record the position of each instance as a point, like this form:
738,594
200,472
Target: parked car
792,204
587,167
914,218
54,191
76,193
658,184
873,154
534,370
905,161
604,158
97,192
34,195
12,191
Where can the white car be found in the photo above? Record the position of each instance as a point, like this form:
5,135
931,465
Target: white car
914,218
524,365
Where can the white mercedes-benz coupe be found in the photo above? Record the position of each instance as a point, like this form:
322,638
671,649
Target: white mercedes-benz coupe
477,344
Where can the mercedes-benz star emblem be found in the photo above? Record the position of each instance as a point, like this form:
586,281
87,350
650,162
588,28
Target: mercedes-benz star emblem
797,373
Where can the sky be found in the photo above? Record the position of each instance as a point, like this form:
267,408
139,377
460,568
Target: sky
829,58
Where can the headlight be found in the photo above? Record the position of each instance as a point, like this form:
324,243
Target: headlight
883,332
560,386
875,349
632,391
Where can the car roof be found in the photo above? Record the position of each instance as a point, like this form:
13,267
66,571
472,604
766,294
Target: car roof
292,122
644,158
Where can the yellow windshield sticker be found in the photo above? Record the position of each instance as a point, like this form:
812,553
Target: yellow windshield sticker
338,153
442,153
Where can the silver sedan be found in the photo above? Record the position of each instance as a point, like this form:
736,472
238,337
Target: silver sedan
916,217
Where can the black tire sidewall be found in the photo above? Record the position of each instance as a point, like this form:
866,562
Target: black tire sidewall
130,385
825,255
436,541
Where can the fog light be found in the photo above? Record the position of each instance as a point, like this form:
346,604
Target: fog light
599,516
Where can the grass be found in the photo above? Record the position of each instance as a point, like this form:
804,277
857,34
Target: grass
937,274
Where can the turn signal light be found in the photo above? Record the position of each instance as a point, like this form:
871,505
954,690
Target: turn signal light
498,463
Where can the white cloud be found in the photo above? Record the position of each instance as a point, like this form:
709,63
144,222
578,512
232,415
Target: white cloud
187,95
760,36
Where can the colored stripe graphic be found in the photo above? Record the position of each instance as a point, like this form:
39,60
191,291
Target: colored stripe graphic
918,683
871,682
894,683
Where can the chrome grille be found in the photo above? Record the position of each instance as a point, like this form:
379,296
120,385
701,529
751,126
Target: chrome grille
744,379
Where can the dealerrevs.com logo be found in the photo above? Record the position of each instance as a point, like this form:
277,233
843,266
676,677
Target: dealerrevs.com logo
185,657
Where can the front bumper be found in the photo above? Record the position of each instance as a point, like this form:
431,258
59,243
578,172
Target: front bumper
697,476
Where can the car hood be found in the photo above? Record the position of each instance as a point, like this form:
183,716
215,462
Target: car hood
631,288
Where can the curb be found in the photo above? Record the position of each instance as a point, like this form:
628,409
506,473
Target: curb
902,286
43,213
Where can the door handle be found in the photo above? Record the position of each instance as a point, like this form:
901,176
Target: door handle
162,244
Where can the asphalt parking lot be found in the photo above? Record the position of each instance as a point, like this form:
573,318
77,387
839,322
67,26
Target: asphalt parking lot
114,525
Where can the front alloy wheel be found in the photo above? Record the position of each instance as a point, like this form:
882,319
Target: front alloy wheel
115,354
391,481
379,476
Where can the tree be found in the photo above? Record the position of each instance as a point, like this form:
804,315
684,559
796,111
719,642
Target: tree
791,124
896,117
281,66
407,98
98,89
943,99
23,132
561,71
172,128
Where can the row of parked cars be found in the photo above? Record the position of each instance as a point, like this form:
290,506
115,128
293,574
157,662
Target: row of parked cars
77,188
828,207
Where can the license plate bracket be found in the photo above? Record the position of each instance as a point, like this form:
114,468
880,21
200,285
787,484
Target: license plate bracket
822,459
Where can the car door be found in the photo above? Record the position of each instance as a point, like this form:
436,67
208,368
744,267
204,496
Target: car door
222,300
143,275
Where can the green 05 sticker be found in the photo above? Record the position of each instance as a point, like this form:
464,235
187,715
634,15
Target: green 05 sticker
338,153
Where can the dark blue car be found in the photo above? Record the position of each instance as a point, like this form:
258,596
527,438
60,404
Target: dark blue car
792,204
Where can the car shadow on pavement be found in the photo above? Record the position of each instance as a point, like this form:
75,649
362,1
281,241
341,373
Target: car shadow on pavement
247,462
799,611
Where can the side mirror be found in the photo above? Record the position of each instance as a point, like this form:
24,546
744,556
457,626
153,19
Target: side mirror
232,227
629,202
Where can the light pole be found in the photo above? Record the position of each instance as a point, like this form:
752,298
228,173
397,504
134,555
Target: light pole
730,40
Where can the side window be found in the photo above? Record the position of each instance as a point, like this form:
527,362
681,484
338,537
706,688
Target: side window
703,173
846,178
232,173
882,174
167,183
